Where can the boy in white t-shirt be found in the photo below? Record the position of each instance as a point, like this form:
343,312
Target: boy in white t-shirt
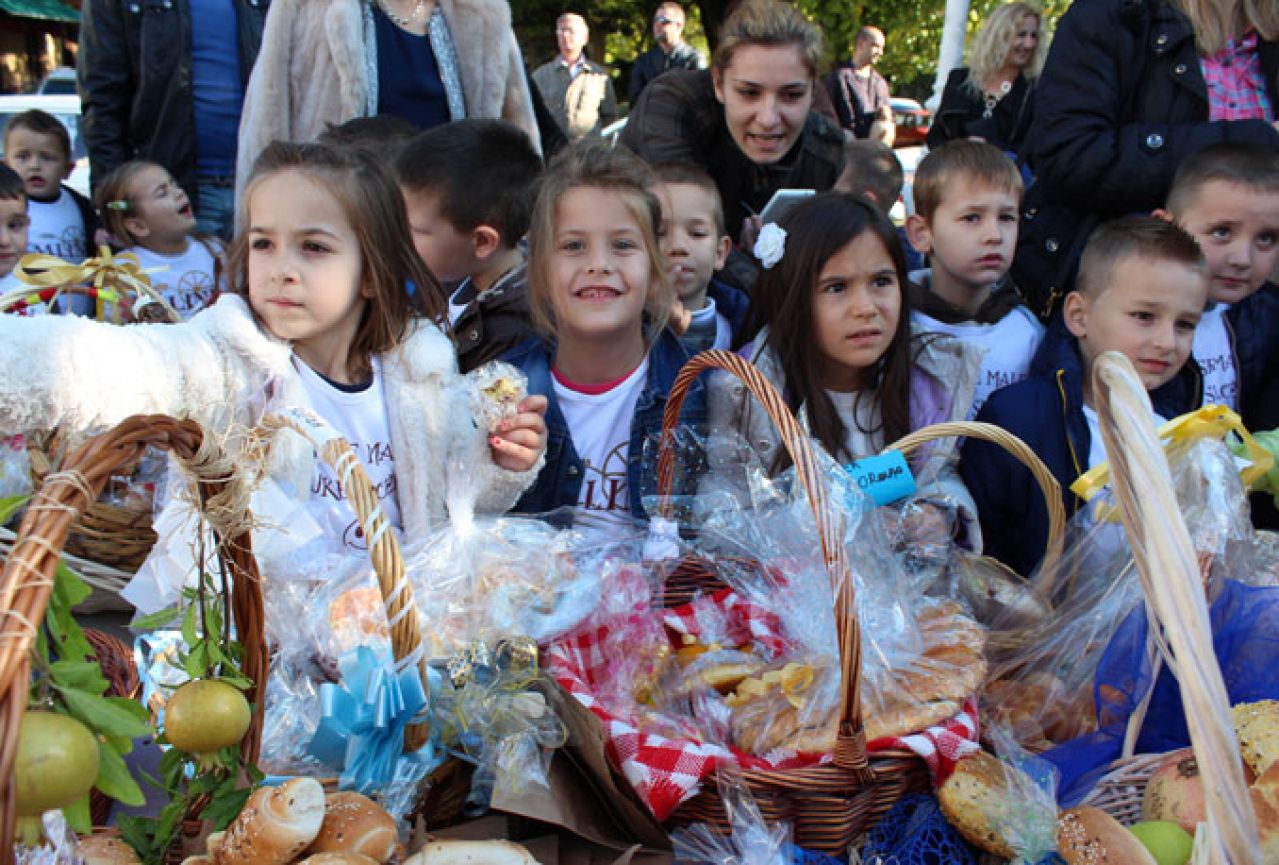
13,227
38,147
967,194
1227,197
696,244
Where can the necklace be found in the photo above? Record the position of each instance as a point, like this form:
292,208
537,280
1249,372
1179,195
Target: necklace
403,20
992,99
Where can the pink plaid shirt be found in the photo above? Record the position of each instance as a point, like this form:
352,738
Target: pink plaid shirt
1236,86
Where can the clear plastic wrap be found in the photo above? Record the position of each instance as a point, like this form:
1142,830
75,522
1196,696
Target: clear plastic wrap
1042,682
496,391
15,467
59,847
751,842
498,577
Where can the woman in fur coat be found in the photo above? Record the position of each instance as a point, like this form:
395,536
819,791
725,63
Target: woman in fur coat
429,61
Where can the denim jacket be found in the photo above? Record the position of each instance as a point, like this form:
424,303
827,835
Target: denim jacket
560,482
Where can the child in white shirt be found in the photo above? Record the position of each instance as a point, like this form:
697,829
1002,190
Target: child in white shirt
149,215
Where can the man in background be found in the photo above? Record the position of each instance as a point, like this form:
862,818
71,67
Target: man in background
860,94
670,52
578,93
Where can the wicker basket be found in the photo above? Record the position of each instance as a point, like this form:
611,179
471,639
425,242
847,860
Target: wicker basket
27,578
829,806
1176,602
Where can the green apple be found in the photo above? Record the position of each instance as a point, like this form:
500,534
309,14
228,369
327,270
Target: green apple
1167,842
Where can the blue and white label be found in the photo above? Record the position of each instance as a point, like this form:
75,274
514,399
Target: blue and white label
886,478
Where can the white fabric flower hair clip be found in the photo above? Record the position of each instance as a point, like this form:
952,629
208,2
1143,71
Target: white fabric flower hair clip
770,246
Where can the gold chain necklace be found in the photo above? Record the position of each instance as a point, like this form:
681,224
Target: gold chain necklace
403,20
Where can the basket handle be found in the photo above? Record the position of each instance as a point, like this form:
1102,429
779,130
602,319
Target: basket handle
384,546
850,741
1175,598
1020,451
27,579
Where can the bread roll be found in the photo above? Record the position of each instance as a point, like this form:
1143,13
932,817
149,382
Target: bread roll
976,798
275,826
1257,725
355,824
1265,802
106,850
1090,836
472,853
338,859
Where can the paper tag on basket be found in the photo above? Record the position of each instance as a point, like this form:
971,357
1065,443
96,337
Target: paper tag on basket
316,428
886,478
662,541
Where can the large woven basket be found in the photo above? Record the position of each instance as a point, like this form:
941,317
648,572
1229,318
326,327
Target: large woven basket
27,579
829,806
1175,600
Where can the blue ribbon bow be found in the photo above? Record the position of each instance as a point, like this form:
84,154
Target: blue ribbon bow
361,731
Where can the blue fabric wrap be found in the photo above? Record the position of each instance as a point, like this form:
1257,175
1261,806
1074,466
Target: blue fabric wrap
1245,637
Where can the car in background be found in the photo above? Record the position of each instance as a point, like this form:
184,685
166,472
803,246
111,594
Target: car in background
912,122
59,82
67,109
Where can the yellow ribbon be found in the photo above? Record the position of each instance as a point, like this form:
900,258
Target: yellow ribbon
112,275
1211,421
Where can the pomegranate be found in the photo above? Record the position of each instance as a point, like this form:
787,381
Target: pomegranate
56,765
1175,792
204,716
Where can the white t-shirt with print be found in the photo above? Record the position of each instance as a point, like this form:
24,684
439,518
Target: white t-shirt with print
359,417
1009,344
600,426
57,228
1216,359
185,280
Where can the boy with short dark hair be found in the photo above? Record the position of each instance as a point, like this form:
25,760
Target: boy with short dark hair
967,194
13,226
469,191
62,221
1227,197
1141,290
696,245
871,169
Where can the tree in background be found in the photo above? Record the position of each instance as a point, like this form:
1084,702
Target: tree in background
621,31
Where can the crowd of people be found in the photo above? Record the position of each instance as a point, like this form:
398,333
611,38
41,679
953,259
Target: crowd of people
413,203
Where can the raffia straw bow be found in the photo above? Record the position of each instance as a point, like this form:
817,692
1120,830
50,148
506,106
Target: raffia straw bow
111,277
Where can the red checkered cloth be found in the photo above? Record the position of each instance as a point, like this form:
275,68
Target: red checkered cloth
666,770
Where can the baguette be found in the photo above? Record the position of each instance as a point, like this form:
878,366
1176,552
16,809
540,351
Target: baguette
338,859
1257,725
472,853
275,826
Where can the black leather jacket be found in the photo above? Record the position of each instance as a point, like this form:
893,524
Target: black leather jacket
134,71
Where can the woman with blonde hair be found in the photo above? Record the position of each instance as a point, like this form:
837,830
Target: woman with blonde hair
1129,90
993,97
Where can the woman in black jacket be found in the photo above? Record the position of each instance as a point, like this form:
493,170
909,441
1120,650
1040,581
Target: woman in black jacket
993,97
1122,100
